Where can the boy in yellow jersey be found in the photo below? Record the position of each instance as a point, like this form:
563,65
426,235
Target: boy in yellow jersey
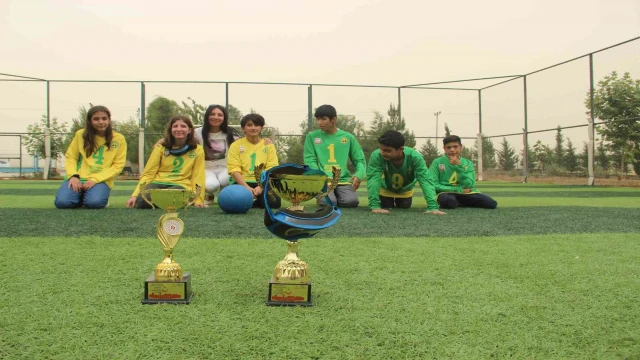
177,164
94,158
331,147
247,153
456,179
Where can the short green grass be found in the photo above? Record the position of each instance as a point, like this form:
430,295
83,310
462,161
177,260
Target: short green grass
552,277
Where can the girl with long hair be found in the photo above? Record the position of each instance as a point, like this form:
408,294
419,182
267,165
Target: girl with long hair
176,164
96,155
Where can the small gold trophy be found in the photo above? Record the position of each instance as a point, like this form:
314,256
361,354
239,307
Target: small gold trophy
290,284
167,284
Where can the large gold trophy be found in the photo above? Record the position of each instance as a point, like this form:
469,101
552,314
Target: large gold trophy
290,284
168,284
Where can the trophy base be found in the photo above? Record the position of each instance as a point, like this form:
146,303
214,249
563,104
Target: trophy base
167,292
281,294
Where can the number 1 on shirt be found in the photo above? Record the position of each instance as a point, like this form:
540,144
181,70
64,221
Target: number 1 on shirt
332,152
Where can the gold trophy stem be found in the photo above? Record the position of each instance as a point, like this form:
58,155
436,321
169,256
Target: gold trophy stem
291,270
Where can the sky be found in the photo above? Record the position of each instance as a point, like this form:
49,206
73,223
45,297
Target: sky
384,42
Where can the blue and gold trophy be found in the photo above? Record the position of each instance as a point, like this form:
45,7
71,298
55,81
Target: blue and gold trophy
290,284
168,284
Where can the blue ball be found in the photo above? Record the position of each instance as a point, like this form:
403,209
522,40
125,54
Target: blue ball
235,199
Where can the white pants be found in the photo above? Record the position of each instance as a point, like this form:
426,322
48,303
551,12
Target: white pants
215,179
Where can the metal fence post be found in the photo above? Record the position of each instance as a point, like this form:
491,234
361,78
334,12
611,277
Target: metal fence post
47,139
310,107
591,145
525,134
479,140
141,128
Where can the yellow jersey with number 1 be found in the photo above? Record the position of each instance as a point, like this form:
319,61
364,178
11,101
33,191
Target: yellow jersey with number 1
244,156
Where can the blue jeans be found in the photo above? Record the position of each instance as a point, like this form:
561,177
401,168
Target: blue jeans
94,198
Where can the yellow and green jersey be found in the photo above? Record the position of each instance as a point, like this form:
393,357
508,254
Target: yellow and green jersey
453,178
384,178
244,156
323,151
103,165
186,170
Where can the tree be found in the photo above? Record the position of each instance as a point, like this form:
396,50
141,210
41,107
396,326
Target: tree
34,140
507,158
447,131
429,152
570,157
616,101
130,130
235,115
380,125
583,160
488,153
542,154
558,151
601,156
193,110
77,123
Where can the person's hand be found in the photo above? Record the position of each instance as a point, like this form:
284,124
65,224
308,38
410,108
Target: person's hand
380,211
88,184
131,202
200,205
355,183
454,160
435,212
257,191
267,141
75,184
159,142
466,191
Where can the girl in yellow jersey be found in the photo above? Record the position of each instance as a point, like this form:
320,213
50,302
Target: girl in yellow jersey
177,164
94,158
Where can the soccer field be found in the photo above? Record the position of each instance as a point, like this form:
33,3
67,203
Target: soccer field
553,273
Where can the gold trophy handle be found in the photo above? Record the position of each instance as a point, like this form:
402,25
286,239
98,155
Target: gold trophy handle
257,172
195,196
334,182
145,195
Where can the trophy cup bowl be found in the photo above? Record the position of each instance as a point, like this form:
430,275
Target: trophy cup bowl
168,284
290,284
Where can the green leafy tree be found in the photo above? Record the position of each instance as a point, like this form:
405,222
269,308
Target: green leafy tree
447,131
602,157
583,158
380,125
507,158
429,152
130,130
570,157
235,115
542,154
77,123
488,153
617,103
558,151
193,110
34,140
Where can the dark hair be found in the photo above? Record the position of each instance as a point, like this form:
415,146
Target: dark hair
224,127
257,119
90,133
325,110
169,141
392,138
450,139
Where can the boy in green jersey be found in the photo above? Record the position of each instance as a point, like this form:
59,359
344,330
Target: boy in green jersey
331,147
392,174
456,179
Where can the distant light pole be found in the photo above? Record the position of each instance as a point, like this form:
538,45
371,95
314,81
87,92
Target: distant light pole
436,114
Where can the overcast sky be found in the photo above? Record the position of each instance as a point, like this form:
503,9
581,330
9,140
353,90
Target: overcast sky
390,42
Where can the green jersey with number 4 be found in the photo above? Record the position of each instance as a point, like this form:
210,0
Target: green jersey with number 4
453,178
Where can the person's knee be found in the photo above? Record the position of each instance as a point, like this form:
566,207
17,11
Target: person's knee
348,201
448,202
95,203
491,204
66,203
